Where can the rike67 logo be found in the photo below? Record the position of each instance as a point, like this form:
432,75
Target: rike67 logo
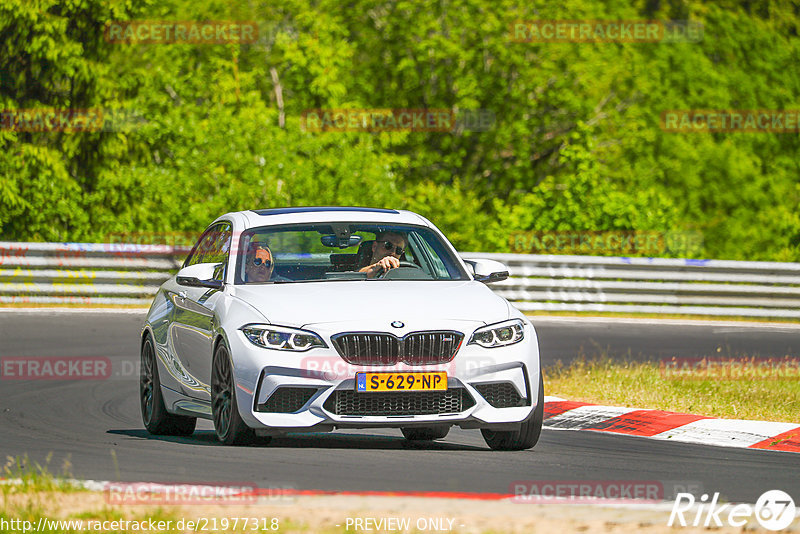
774,510
333,368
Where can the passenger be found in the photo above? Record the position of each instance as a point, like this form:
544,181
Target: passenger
259,264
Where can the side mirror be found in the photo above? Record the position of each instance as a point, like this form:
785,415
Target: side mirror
200,275
488,271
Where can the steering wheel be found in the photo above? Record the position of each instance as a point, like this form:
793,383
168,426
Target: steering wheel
402,264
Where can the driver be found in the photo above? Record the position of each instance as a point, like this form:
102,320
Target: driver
386,252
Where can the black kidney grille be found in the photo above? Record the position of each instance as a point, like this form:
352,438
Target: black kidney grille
418,348
287,400
501,395
367,348
430,348
348,402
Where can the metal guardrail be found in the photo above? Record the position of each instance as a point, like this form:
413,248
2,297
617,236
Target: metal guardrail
650,285
85,273
112,274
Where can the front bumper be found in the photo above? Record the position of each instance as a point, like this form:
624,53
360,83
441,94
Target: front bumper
280,392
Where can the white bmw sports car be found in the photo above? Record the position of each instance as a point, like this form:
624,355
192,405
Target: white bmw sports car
313,319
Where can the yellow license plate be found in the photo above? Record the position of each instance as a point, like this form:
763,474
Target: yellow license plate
430,381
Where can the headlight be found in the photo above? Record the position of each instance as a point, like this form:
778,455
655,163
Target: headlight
499,335
282,338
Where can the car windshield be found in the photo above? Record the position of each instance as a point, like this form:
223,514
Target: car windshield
338,251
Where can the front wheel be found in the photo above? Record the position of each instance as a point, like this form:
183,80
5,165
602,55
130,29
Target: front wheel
425,433
528,433
228,424
157,420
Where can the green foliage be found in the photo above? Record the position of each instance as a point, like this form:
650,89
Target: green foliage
457,212
584,197
576,144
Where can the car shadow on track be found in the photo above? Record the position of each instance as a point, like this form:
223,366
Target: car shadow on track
364,441
200,437
316,440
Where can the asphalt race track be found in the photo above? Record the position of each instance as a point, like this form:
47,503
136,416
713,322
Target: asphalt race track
96,426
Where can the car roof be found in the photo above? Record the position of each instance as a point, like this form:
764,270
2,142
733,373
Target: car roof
315,214
308,209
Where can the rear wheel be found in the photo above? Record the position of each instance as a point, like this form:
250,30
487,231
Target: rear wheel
157,420
523,438
425,433
228,424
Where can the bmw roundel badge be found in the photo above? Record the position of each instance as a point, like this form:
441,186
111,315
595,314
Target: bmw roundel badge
398,324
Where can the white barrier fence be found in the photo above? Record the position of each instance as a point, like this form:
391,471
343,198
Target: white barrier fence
85,273
97,273
650,285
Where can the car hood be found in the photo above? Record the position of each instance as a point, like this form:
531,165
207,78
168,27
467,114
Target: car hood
309,303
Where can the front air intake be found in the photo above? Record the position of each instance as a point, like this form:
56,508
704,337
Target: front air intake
287,400
348,402
501,395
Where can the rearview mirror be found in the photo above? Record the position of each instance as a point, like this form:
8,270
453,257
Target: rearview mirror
334,241
488,271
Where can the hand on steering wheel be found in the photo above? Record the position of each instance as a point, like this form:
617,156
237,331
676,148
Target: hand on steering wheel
385,264
399,264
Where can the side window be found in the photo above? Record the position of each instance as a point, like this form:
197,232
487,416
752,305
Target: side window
435,262
213,247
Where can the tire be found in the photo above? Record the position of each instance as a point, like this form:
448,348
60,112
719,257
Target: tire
523,438
228,424
157,420
425,433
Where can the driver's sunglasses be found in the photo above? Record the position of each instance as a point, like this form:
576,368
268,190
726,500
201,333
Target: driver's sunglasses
259,261
388,245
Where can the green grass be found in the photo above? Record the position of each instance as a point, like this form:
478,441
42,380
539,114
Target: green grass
30,481
25,475
30,490
645,385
